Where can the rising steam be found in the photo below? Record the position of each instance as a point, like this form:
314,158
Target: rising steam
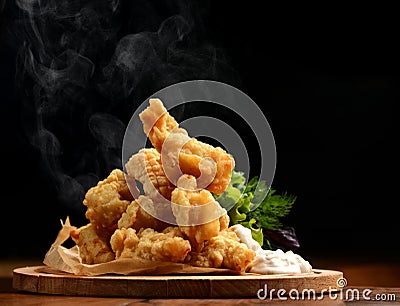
84,66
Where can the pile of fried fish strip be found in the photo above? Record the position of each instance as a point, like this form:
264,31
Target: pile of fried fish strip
137,227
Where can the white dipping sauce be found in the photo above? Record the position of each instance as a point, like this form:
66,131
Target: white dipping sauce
271,262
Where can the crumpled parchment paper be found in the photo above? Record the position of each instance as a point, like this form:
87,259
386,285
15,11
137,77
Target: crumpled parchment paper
62,259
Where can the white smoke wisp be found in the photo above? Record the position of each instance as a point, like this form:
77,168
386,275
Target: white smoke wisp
82,68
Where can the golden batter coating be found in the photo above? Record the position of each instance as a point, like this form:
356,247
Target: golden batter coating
157,123
136,216
211,165
105,204
92,248
146,167
196,212
224,222
223,251
178,177
162,129
149,244
118,176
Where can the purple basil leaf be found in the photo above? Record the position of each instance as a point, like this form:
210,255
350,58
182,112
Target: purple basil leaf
284,239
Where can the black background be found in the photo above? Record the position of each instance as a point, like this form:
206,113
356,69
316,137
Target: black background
326,78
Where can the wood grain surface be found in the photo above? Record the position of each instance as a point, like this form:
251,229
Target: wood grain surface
33,279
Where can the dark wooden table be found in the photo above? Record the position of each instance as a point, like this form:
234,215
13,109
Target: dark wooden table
374,296
388,293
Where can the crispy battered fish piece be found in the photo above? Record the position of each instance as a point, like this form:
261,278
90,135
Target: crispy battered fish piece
150,245
223,251
197,213
136,216
105,204
159,126
92,248
214,177
224,222
118,176
146,167
157,123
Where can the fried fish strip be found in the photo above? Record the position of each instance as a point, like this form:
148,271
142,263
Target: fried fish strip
118,176
137,217
223,251
149,244
159,125
214,177
197,213
146,167
105,203
92,248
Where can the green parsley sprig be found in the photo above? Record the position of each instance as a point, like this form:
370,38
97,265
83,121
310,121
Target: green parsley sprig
240,198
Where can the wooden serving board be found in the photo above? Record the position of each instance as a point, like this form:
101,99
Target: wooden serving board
33,279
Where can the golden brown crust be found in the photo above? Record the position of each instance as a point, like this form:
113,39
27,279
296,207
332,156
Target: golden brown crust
223,251
136,216
126,226
118,176
157,123
161,127
149,244
198,224
146,167
105,205
92,248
